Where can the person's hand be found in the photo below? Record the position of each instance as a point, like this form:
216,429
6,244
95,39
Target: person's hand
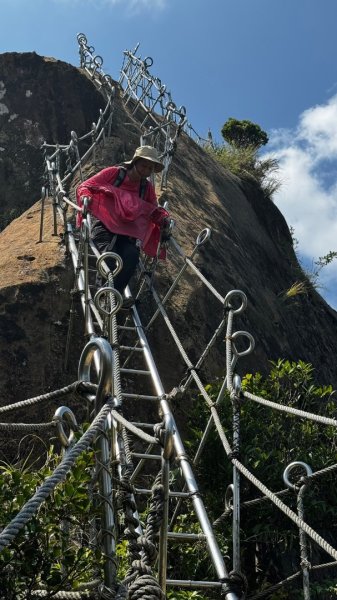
158,215
166,229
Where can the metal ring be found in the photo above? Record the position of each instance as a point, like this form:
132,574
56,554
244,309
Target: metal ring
103,292
290,467
168,444
64,414
105,272
243,305
203,236
98,60
237,384
85,226
229,496
251,346
81,38
170,105
105,383
182,110
148,62
109,80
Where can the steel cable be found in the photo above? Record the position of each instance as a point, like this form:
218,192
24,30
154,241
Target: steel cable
59,475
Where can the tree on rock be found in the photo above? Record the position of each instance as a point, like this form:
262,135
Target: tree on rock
243,133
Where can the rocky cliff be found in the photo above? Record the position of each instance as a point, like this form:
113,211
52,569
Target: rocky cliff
41,99
250,246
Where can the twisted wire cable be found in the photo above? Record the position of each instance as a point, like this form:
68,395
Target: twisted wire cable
27,427
63,595
291,410
37,399
256,482
133,429
139,580
273,588
59,475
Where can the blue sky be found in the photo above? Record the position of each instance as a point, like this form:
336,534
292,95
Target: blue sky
270,61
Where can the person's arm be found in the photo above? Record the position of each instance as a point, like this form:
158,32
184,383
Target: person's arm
104,177
150,194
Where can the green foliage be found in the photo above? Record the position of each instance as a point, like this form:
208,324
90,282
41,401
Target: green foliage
243,134
270,440
311,276
240,154
53,548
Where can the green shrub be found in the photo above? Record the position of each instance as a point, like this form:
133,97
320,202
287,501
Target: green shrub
244,162
53,548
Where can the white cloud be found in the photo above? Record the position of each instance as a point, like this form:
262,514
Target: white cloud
308,196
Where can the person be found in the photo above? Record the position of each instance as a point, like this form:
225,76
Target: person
125,212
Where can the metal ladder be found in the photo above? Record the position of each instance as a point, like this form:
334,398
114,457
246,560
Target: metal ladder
137,362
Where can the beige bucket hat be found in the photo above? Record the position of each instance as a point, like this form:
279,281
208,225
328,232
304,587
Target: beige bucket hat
148,153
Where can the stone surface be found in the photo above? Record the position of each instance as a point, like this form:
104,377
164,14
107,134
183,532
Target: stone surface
41,99
250,249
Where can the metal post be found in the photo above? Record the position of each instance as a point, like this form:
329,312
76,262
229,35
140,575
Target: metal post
85,230
305,564
43,196
185,466
54,171
166,454
236,474
105,387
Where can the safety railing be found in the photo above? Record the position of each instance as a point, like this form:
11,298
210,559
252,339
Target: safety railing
101,311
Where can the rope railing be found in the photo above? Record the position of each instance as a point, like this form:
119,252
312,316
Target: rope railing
290,410
162,122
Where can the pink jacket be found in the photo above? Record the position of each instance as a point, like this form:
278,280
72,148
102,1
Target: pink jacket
121,209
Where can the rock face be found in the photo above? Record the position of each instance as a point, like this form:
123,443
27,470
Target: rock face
41,99
250,249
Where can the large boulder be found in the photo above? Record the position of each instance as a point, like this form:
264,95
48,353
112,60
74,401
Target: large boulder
41,99
250,249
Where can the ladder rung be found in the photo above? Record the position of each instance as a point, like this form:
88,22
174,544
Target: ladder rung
131,348
141,397
146,492
136,371
186,537
126,328
187,583
146,456
143,425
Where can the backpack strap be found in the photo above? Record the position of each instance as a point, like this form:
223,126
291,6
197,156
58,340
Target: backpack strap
121,176
142,188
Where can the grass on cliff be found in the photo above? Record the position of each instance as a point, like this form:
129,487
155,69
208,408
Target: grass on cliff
245,163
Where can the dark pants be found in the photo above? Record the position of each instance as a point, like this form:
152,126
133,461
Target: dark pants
126,247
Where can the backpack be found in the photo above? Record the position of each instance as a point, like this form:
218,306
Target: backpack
121,176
